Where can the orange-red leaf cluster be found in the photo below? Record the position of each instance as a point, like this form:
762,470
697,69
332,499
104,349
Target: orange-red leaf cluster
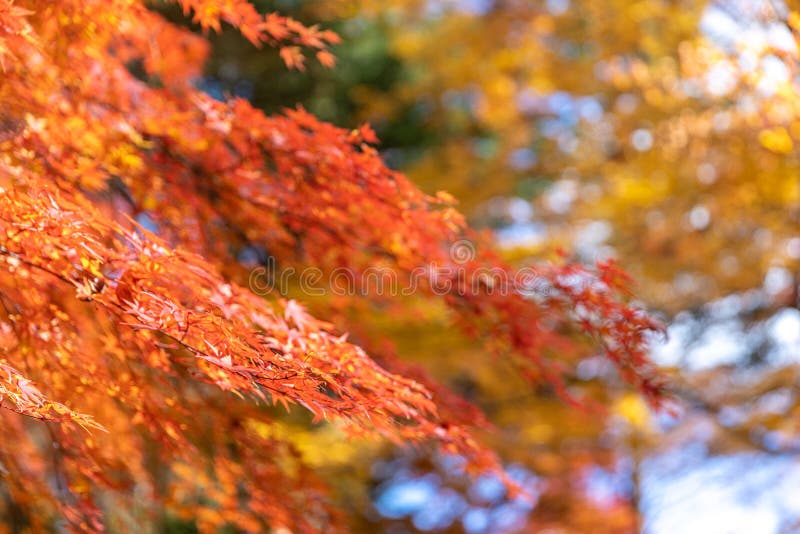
147,328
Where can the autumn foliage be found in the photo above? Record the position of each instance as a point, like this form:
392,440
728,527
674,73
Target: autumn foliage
144,364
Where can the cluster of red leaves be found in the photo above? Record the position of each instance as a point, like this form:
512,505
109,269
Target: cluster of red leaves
152,336
284,32
20,395
14,29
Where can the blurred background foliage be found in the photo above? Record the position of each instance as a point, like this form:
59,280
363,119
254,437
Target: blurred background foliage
658,132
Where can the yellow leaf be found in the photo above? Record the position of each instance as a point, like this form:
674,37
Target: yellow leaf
634,411
776,140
